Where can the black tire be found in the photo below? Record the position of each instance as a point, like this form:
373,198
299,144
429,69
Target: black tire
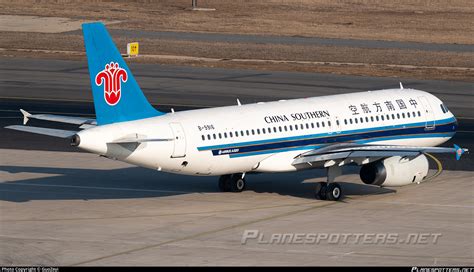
320,191
224,183
237,183
333,192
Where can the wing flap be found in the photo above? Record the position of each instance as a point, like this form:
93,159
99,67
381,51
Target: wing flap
44,131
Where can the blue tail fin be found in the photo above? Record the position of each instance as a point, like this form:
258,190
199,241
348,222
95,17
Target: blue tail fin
117,96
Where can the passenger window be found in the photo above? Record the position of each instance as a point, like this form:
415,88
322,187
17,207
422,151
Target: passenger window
403,115
247,132
214,136
371,118
307,126
312,125
388,117
408,114
366,119
350,121
382,118
202,137
291,127
286,129
361,120
225,134
274,129
337,122
377,118
258,131
253,132
279,128
345,121
398,115
419,114
322,124
329,123
356,121
220,136
296,127
208,136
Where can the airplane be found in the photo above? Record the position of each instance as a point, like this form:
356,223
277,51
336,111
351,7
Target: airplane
385,132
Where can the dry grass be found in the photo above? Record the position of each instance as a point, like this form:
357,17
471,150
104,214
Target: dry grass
433,21
403,20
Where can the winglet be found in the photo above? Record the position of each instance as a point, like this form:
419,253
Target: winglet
459,151
401,85
25,116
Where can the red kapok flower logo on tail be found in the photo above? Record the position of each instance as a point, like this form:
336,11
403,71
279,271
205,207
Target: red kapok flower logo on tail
112,77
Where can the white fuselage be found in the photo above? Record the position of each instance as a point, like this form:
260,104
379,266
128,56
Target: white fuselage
265,137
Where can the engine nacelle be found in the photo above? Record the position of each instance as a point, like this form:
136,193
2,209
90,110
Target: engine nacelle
395,171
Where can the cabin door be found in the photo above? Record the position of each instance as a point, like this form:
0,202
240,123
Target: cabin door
179,149
428,113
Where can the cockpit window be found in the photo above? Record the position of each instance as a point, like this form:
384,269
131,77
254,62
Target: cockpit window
444,108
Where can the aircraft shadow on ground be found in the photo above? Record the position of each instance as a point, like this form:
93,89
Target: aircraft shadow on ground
135,182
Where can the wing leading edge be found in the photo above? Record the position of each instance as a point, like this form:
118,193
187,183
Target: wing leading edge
341,152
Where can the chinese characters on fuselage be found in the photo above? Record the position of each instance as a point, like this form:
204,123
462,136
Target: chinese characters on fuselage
387,106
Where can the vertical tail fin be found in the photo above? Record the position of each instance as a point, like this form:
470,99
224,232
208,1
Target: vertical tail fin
117,96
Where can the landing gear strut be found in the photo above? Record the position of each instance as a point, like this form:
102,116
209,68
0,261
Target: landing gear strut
232,183
329,190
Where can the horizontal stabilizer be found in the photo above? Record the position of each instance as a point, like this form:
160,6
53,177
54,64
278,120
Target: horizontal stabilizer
57,118
44,131
137,139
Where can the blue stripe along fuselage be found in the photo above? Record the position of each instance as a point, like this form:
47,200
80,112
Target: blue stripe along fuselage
444,128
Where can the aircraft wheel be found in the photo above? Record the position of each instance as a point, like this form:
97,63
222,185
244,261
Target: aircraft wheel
333,192
237,183
224,183
320,191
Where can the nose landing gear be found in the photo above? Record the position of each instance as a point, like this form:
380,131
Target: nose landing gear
232,183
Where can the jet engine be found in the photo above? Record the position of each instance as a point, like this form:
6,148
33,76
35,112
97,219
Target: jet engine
395,171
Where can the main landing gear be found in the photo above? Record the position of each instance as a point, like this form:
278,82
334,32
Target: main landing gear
232,183
329,190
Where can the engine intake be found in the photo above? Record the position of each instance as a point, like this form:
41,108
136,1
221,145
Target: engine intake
395,171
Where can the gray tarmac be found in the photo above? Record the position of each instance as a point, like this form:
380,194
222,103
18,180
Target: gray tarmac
62,208
71,208
287,40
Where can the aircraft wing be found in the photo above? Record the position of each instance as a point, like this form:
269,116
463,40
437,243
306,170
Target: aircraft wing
342,152
44,131
59,118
